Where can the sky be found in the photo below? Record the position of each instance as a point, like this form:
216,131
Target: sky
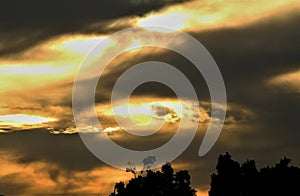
255,44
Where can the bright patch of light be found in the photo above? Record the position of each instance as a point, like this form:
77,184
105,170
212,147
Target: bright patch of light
13,70
111,129
20,120
77,44
209,18
141,113
172,20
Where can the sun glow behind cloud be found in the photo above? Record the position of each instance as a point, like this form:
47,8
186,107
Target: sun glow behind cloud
79,44
205,15
23,120
55,60
148,113
172,20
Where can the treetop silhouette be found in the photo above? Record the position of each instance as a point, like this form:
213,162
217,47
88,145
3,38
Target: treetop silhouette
244,180
231,179
157,183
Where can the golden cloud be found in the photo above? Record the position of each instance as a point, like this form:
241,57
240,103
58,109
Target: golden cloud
204,15
48,178
288,81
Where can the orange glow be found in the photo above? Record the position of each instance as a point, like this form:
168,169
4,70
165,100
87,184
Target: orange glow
202,193
99,180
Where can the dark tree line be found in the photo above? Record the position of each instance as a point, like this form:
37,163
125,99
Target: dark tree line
246,180
231,179
159,183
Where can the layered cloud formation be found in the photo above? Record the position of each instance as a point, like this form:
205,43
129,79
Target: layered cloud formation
255,44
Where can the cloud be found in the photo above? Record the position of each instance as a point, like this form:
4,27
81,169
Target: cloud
48,178
287,82
21,30
23,121
209,38
39,145
70,50
208,15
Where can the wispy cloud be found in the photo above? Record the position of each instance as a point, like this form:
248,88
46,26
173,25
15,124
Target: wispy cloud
288,82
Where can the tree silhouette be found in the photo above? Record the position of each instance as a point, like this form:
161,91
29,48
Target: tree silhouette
227,179
249,177
233,179
159,183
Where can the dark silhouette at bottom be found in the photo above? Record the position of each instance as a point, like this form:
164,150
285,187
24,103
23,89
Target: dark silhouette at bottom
246,180
231,179
159,183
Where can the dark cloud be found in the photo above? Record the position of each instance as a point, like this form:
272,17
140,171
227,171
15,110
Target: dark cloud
107,81
68,151
17,188
25,24
161,110
247,56
54,174
255,51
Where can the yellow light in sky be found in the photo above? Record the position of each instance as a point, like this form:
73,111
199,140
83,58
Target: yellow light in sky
20,120
139,113
77,43
142,115
209,18
147,112
54,60
111,129
15,70
206,14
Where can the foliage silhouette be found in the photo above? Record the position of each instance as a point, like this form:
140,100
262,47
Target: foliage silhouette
157,183
245,180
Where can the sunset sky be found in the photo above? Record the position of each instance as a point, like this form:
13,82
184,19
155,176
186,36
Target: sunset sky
255,43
